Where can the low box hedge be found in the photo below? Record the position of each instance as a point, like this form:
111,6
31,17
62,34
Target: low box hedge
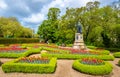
119,62
18,40
93,69
116,54
103,52
30,68
16,55
75,56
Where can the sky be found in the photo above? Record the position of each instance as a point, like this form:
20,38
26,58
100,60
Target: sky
31,13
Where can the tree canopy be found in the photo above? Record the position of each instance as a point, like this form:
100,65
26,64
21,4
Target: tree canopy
100,26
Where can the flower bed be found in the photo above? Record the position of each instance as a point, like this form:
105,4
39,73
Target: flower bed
117,54
89,52
34,60
93,66
16,55
92,61
16,66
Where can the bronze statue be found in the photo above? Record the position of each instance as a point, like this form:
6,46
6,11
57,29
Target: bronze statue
79,27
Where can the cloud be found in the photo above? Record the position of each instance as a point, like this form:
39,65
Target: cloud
3,5
33,12
62,4
34,18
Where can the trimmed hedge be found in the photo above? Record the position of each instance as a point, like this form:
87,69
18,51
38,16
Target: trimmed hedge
104,52
1,63
18,40
16,55
93,69
30,68
119,62
117,54
74,56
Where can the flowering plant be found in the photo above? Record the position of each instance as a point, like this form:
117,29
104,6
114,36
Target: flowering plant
92,61
34,60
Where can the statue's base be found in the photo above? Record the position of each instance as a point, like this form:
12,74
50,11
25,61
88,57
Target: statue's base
79,43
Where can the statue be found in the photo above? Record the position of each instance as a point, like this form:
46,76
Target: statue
79,28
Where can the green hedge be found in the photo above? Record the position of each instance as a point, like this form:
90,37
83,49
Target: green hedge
74,56
16,55
119,62
91,47
18,40
93,69
103,52
117,54
1,63
113,49
30,68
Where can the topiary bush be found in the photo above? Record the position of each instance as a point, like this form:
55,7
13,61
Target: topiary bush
12,66
102,69
116,54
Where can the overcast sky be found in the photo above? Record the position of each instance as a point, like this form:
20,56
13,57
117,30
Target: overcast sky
32,12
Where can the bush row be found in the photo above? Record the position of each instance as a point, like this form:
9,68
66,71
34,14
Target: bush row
74,56
16,55
117,54
1,63
103,52
119,62
29,68
18,40
93,69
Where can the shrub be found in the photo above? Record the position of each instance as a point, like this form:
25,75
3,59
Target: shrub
91,47
102,52
78,56
116,54
1,63
29,68
113,49
18,40
119,62
93,69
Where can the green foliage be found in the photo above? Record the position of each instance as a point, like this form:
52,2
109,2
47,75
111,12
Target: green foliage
93,69
30,68
119,62
91,47
18,40
116,54
1,63
102,52
113,49
11,28
75,56
100,26
16,55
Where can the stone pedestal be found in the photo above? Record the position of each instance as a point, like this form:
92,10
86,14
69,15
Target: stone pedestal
79,43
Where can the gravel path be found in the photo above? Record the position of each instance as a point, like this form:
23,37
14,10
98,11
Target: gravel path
64,69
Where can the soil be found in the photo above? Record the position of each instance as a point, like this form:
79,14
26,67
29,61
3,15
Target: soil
64,69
